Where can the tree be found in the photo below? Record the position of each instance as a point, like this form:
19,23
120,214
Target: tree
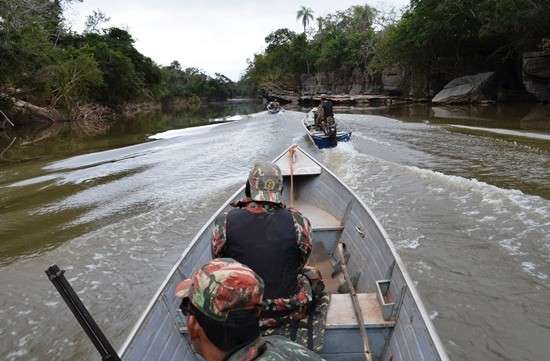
73,79
305,15
95,20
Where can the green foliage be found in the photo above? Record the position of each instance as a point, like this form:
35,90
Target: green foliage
25,42
450,35
50,65
305,15
180,83
444,37
343,42
73,78
95,21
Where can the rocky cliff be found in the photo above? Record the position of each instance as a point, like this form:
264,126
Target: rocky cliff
507,83
354,83
536,74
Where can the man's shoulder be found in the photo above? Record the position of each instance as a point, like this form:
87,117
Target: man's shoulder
298,216
281,348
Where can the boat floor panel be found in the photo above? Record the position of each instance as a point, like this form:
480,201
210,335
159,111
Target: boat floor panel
341,313
319,218
320,259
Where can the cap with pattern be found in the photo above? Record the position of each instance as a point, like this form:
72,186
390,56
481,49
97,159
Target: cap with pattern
221,286
266,182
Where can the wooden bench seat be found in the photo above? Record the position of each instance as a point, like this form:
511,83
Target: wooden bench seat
342,337
341,314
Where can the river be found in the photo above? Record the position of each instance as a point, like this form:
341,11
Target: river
463,192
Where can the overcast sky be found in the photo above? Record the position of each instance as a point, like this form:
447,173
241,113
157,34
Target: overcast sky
213,35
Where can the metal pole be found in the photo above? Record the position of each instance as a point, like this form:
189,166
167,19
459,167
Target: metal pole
355,302
88,324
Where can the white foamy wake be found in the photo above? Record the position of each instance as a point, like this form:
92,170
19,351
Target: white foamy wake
185,131
514,220
371,139
234,117
514,133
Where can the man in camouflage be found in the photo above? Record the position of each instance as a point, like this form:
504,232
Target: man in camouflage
275,241
222,302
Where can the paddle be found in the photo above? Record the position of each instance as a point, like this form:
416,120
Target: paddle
88,324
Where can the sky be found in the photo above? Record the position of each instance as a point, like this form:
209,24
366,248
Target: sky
212,35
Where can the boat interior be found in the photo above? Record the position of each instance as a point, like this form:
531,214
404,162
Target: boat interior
389,313
342,338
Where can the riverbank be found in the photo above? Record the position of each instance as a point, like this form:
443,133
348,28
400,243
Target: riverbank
494,53
21,113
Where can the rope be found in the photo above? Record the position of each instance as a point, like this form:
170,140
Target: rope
291,160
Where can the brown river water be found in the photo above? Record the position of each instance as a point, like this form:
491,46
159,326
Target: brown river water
464,193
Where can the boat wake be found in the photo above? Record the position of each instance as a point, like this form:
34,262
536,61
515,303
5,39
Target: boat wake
475,211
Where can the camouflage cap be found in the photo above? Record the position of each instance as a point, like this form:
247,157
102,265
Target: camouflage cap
266,182
221,286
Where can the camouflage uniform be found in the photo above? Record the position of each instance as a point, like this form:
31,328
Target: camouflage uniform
224,285
265,196
220,286
274,348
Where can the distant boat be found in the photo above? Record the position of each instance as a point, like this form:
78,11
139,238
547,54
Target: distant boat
322,140
273,108
397,325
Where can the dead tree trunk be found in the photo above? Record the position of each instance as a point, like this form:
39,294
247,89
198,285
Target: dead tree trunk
5,121
40,113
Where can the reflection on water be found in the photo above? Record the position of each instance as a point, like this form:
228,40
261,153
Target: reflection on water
522,116
64,139
469,212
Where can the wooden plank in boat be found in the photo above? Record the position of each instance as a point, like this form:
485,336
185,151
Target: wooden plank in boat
303,165
319,218
341,315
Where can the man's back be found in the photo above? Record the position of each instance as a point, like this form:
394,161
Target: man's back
327,109
266,242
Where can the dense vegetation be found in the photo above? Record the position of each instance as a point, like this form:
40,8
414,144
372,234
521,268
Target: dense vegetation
45,63
341,42
446,37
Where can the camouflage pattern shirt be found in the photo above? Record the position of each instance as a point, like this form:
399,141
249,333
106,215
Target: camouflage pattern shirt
273,348
302,226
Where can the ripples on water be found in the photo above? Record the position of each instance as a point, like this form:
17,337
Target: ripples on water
469,214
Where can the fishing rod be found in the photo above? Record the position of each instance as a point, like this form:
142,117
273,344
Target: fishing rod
86,321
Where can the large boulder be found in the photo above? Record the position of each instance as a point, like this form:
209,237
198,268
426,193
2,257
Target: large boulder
468,89
536,74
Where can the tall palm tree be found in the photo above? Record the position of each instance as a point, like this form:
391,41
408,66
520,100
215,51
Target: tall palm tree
305,15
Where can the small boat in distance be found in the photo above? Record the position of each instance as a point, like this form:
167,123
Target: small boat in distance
384,320
273,107
320,138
